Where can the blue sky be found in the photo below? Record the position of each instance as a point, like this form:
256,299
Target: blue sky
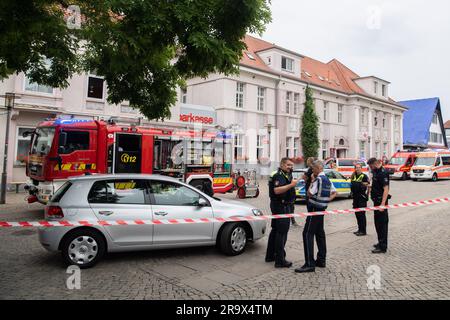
404,42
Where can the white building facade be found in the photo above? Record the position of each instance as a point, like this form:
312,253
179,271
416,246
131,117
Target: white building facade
262,105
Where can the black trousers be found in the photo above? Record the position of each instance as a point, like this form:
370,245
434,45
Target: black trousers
314,228
278,237
381,224
360,215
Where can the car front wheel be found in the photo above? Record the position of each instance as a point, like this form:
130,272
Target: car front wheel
83,248
233,239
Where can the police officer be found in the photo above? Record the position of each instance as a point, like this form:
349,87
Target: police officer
282,197
320,194
359,184
379,192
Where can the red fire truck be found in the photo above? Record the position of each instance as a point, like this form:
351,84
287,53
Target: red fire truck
62,148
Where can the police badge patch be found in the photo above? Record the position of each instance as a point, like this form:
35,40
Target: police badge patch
277,183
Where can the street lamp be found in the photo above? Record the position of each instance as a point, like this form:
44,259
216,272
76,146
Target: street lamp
9,104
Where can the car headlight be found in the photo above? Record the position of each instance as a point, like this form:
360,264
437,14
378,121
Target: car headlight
257,212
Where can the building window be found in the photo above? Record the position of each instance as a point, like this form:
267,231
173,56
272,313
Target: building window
288,102
325,111
397,147
340,113
296,102
95,87
261,98
375,121
377,150
238,147
22,146
296,147
383,90
287,64
435,118
375,87
259,146
35,87
362,149
183,95
396,126
240,94
385,149
288,147
324,149
384,121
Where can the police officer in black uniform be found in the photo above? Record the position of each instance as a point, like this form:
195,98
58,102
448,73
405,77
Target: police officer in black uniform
282,198
359,183
379,192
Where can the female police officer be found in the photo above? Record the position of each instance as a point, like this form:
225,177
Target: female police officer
360,182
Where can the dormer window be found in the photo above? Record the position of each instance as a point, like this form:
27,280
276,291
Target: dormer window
375,87
383,90
287,64
250,56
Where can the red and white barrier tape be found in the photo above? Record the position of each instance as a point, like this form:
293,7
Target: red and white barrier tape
64,223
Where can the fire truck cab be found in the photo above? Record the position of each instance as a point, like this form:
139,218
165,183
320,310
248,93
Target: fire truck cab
63,148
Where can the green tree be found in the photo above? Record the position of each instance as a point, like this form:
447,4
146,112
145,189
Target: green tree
310,127
143,49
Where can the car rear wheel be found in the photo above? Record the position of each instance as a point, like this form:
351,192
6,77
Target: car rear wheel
404,176
233,239
83,248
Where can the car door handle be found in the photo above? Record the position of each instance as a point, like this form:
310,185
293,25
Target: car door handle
105,213
161,213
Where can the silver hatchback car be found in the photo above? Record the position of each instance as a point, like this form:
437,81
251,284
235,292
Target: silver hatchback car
141,197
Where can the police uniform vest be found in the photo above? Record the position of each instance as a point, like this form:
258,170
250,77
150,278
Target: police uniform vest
321,199
356,183
288,196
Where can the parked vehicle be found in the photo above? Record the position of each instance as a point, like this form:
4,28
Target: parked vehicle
400,164
141,197
346,166
431,165
63,148
342,184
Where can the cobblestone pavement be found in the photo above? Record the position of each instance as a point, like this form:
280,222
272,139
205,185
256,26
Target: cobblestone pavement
416,265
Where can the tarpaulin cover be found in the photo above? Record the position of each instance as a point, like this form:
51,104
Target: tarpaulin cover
417,120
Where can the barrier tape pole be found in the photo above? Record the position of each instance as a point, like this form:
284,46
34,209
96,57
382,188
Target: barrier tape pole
65,223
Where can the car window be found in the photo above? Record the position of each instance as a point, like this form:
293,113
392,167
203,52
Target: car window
123,191
446,161
61,192
173,194
330,175
339,175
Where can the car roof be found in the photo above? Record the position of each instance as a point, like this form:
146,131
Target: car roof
122,176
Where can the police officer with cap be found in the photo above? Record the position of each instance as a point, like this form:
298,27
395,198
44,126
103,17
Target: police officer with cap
379,192
282,198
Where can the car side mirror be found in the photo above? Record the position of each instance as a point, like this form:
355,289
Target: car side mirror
62,138
202,202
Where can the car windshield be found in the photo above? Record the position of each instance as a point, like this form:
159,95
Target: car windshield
397,161
42,140
425,161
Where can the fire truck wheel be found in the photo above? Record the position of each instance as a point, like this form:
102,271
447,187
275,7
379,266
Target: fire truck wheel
256,193
241,193
435,177
240,181
233,239
404,176
83,247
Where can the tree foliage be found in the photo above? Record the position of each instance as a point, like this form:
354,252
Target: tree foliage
143,48
310,127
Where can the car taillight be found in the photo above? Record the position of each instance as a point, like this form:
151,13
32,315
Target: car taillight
54,212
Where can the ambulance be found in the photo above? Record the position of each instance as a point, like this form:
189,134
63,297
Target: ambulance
431,165
399,166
